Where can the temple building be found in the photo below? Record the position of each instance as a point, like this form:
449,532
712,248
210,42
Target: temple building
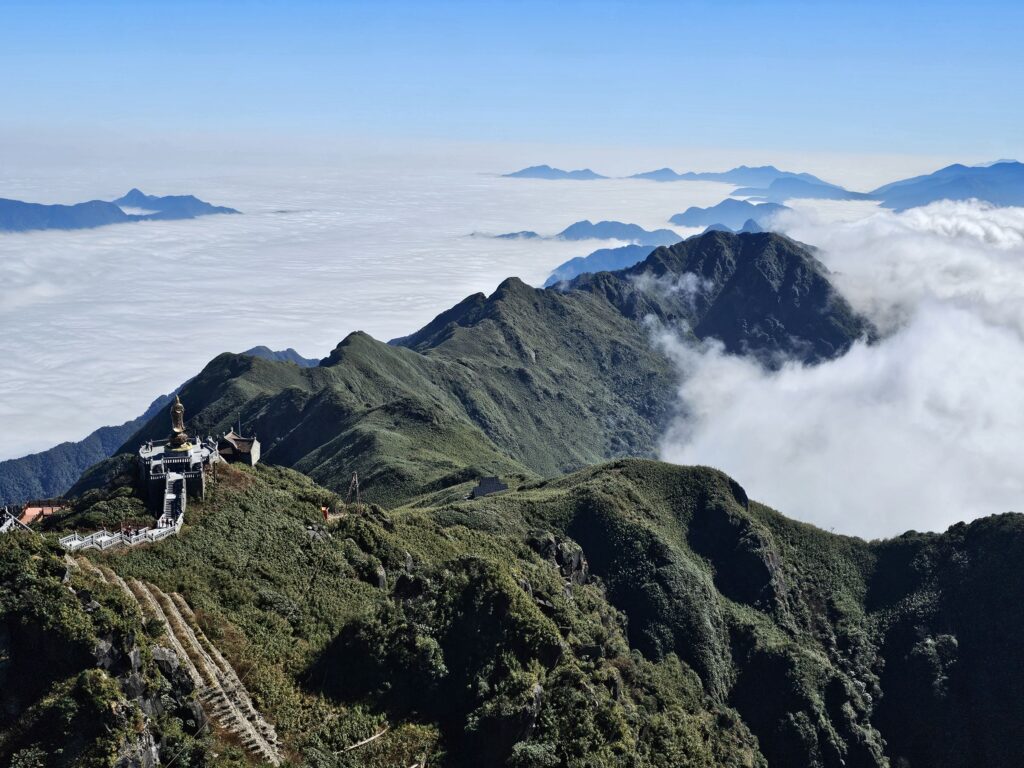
175,468
35,511
237,449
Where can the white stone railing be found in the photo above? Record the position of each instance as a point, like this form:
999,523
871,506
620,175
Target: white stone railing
104,539
9,522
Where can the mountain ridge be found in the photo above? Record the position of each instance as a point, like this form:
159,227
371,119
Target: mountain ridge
781,190
585,229
525,381
601,260
730,213
554,174
19,216
617,230
1001,183
170,206
741,174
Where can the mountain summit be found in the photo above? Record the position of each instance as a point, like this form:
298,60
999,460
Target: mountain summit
527,381
1000,183
170,206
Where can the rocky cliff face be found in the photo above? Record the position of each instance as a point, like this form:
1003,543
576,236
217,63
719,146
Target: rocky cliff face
81,681
760,294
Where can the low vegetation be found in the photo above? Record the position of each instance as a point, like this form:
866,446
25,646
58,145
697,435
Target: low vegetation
631,614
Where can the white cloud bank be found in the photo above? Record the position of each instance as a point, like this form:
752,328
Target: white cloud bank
96,323
919,431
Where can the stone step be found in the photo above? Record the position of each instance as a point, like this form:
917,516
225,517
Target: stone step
198,645
217,686
149,602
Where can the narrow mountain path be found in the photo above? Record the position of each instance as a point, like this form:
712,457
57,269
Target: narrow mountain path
221,692
231,680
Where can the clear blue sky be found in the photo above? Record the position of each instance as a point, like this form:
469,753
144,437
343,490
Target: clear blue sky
904,77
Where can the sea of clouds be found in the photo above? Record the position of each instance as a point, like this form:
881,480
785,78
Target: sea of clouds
94,324
918,431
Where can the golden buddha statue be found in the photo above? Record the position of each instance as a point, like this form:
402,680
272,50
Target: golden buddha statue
178,437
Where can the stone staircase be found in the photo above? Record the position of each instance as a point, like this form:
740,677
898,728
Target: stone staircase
221,692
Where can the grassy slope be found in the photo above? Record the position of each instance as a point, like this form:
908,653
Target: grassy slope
541,385
716,631
450,650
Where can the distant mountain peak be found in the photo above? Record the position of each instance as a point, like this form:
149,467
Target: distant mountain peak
759,175
601,260
730,213
170,206
19,216
990,163
288,355
550,173
793,187
617,230
1000,183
